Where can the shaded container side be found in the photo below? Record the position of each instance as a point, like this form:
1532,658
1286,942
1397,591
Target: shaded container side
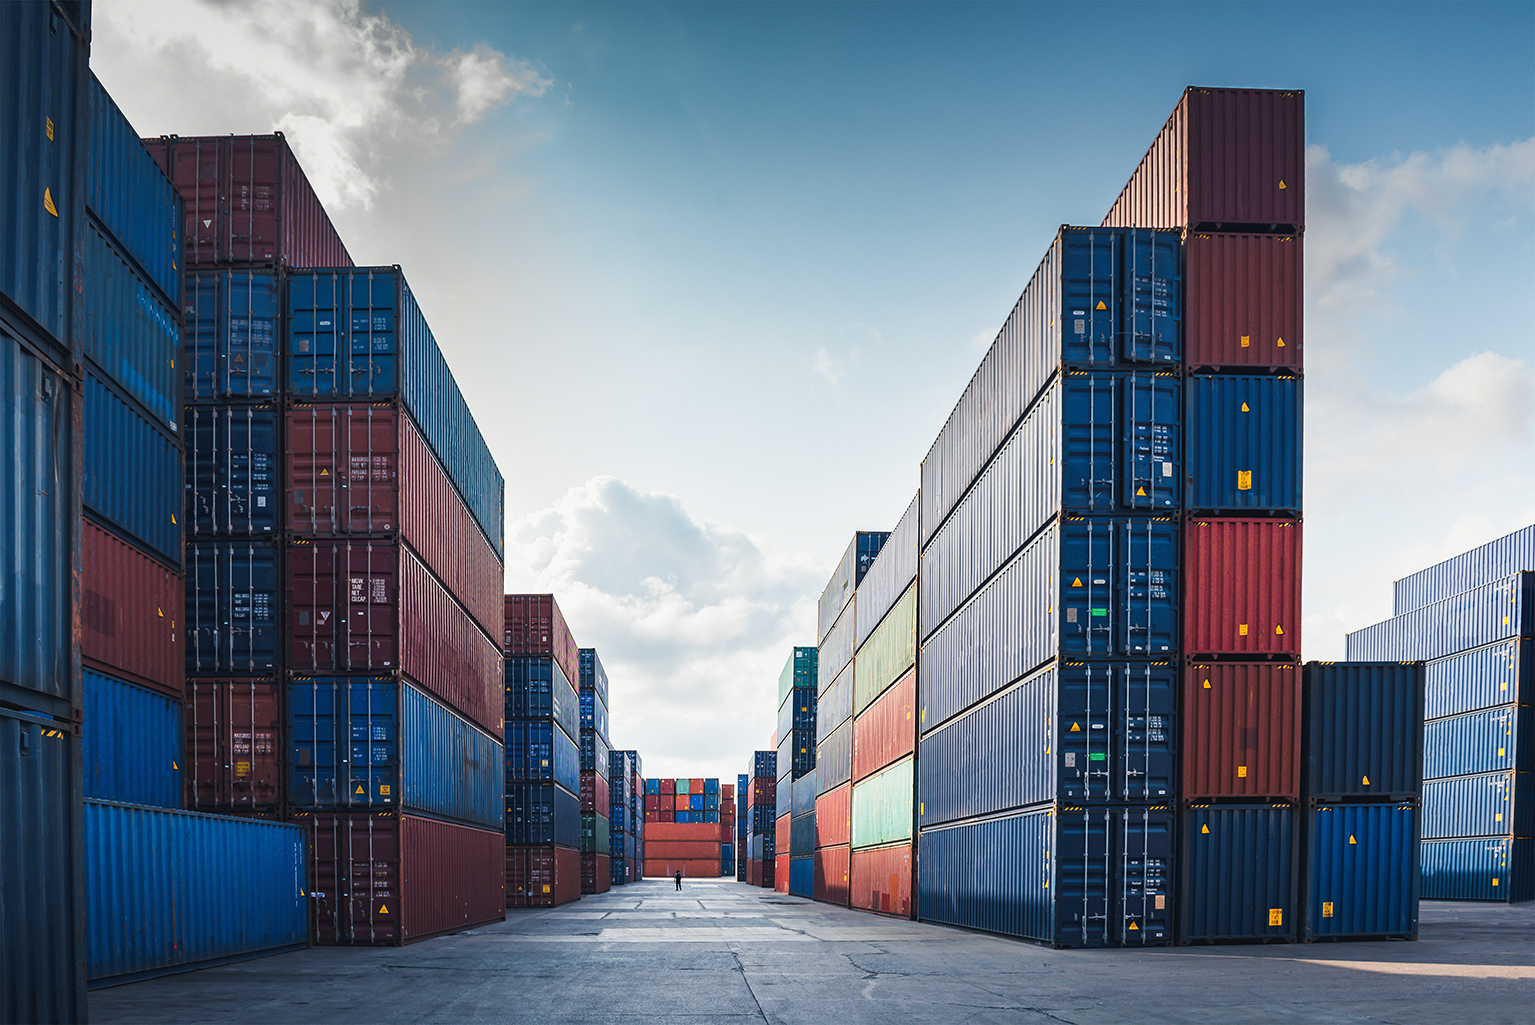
836,651
834,759
247,201
802,834
595,833
834,706
130,333
160,893
536,687
880,879
1485,868
1361,874
1226,160
132,472
596,873
537,751
233,470
1491,740
1243,295
130,612
1239,872
764,765
802,876
889,653
594,793
1363,730
1244,443
532,624
541,877
1485,564
799,670
366,470
887,729
1243,587
804,794
231,340
881,811
357,335
235,745
889,576
594,752
855,562
542,813
234,608
833,817
1486,677
833,874
1484,615
1241,735
798,711
1490,804
593,676
130,743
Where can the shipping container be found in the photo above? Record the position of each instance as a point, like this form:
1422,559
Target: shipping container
836,650
855,562
1239,873
701,868
834,759
887,729
594,717
130,332
1491,740
1243,301
1485,868
234,608
803,794
881,810
783,833
593,676
594,834
781,873
802,834
890,652
534,625
802,876
1489,804
540,877
247,201
1241,735
541,814
231,339
1244,443
364,469
880,880
1471,619
1360,879
764,766
160,893
536,687
594,793
833,817
1226,160
235,750
834,705
130,612
690,832
1363,730
233,457
1486,677
684,850
1242,578
798,671
132,472
358,336
798,711
596,873
886,581
1485,564
130,741
832,875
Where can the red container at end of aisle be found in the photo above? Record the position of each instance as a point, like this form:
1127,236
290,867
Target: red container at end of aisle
781,872
1241,731
700,868
694,831
833,817
235,745
880,880
596,873
682,850
131,607
542,877
1242,579
831,875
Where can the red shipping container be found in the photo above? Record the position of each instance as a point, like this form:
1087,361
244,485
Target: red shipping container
668,786
833,817
370,606
1242,301
662,868
1241,732
781,834
248,202
887,729
753,873
683,850
534,625
1242,579
680,802
763,791
1227,160
880,880
389,879
652,816
542,877
596,873
668,815
235,745
727,792
130,606
652,802
594,792
781,873
831,875
694,831
695,786
364,469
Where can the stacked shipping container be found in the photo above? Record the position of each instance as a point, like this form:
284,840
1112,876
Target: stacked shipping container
794,833
602,784
759,812
688,836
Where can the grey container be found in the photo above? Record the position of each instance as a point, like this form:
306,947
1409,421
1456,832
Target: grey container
855,562
836,649
835,705
802,834
1362,731
893,571
834,759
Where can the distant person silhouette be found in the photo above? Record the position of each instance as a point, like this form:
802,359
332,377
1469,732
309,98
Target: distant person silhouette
679,880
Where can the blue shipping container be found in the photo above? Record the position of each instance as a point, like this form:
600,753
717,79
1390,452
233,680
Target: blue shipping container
891,573
593,676
1491,740
132,472
538,814
163,891
1362,734
1244,443
1486,868
595,756
231,347
129,333
1361,872
1239,865
537,750
536,687
765,764
594,713
131,743
1490,804
1492,612
356,334
1498,674
802,877
1495,560
233,466
802,799
234,604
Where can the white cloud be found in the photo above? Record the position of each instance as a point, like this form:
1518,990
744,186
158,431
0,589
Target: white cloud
828,366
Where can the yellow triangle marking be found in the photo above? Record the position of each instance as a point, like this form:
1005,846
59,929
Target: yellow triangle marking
1077,582
175,767
1280,343
1351,839
1134,926
1204,829
1141,492
48,203
1245,409
360,790
1075,728
1282,185
1278,629
161,611
1367,781
1100,305
383,909
1207,685
324,472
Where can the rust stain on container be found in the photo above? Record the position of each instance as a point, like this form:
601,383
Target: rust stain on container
887,730
880,880
131,613
1241,730
1243,587
1242,300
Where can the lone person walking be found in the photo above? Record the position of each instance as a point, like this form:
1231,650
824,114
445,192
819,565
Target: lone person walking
679,879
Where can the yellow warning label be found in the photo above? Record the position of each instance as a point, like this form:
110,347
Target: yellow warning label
1241,772
1245,409
1498,817
1133,926
383,788
1282,184
546,887
1351,839
1495,880
1500,752
1244,480
1075,728
1276,916
175,767
48,203
160,611
359,789
1242,629
1367,781
324,471
1280,343
1141,491
383,909
1077,582
48,127
1326,909
1204,829
1278,629
242,768
1100,305
1207,685
1246,341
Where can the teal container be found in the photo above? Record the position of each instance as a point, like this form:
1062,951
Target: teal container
882,806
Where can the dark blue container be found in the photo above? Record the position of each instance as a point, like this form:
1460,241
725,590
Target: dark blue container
616,768
802,749
685,817
233,465
804,793
542,813
711,786
1493,612
594,713
1244,443
232,341
132,472
129,332
1498,674
834,761
1495,560
711,802
593,676
1485,868
1362,730
1361,873
1239,872
709,816
765,764
356,334
802,834
1491,804
234,603
802,877
595,755
537,687
1491,740
537,750
131,743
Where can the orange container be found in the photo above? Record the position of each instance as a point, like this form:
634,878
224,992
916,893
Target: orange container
781,871
680,803
682,831
683,850
833,815
831,875
880,880
781,836
691,869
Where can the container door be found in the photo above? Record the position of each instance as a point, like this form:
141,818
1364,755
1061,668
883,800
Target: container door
1090,294
1153,463
1087,586
372,332
315,349
1153,298
1144,880
1147,748
1085,733
1083,867
1090,438
1149,588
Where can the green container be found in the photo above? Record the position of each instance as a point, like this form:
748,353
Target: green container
799,671
594,833
682,786
882,806
890,650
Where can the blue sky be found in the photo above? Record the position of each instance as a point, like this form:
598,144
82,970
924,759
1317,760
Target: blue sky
713,275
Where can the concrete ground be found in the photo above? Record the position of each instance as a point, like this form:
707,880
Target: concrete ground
722,951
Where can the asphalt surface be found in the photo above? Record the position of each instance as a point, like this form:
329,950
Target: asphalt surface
726,952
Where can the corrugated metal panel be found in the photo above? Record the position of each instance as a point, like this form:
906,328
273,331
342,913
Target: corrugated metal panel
1482,869
534,625
41,870
592,676
1361,873
538,750
782,826
855,562
1243,587
887,729
594,793
802,835
233,458
1471,619
890,651
834,759
235,745
234,603
1363,730
130,743
1491,740
1012,894
130,612
798,671
1242,731
836,649
1244,443
802,877
231,339
882,806
1498,674
881,880
594,832
893,570
832,875
1244,301
130,333
833,817
1495,560
594,717
834,705
535,687
132,472
799,711
542,813
596,872
802,801
540,877
1491,804
1239,865
163,890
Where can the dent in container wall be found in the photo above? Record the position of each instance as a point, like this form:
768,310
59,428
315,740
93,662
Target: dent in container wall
1243,583
1241,732
235,745
230,341
1243,301
130,612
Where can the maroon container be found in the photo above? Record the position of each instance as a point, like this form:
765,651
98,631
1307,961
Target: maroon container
833,817
781,836
235,745
753,873
371,606
248,202
887,729
668,786
594,792
541,877
879,879
534,625
1242,298
1227,160
385,879
1242,593
364,469
763,791
129,610
666,815
832,875
1241,730
596,873
652,802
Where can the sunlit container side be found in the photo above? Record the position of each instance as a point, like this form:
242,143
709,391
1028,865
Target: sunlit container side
534,625
1243,301
130,742
231,341
833,817
880,880
834,759
798,671
887,730
235,750
881,807
1486,677
1244,443
1239,872
834,705
542,877
132,472
540,814
1363,730
592,676
234,608
1483,615
1490,804
889,652
130,612
1361,874
836,649
1241,734
1485,564
855,562
233,458
781,872
129,333
1489,868
41,866
357,335
804,790
1226,160
1490,740
247,201
832,875
1242,578
888,576
536,687
538,750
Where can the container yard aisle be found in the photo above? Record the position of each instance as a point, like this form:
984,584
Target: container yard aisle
724,951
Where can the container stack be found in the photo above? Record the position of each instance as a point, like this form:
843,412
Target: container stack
543,762
743,826
1472,619
601,786
620,819
794,840
690,841
728,845
760,815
